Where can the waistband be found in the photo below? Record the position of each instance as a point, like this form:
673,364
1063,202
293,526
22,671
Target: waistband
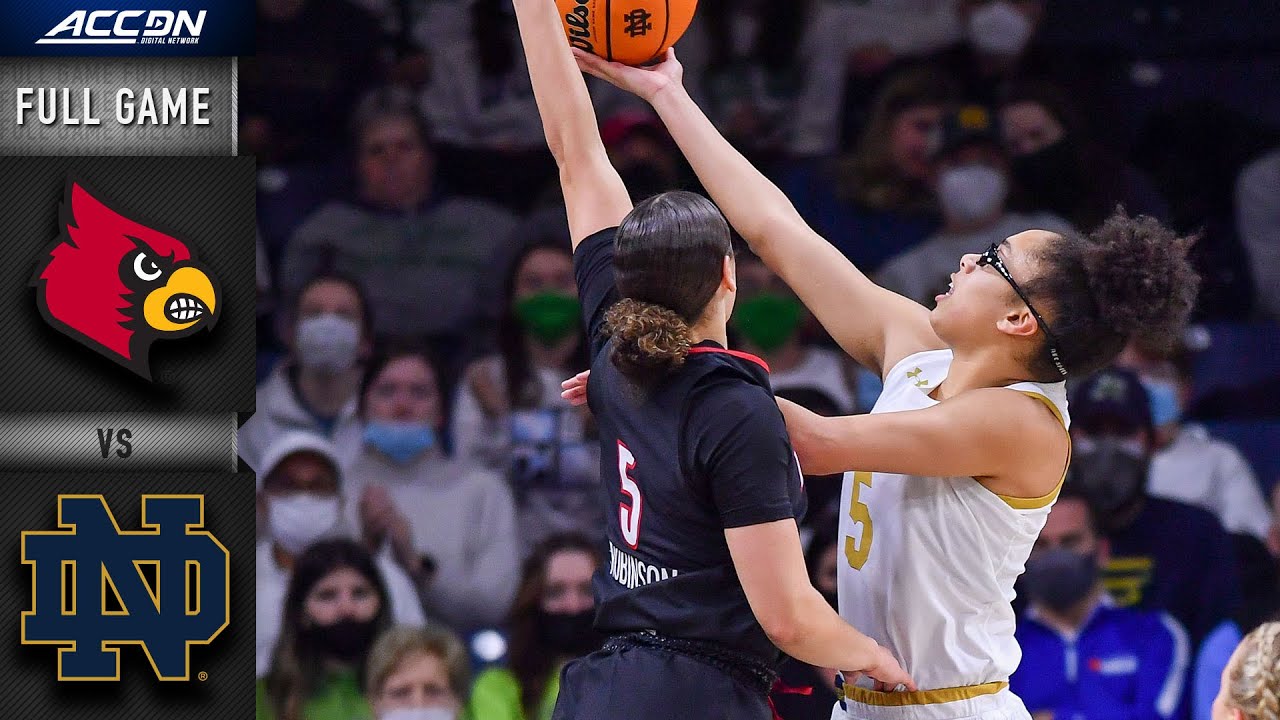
863,696
747,669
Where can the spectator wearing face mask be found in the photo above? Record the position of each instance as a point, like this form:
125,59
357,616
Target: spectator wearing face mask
328,331
419,252
804,692
417,674
300,496
971,178
335,606
1190,465
509,416
999,46
448,523
1058,168
550,624
768,319
1165,555
874,202
1082,657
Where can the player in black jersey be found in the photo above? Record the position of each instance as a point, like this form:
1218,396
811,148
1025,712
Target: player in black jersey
705,579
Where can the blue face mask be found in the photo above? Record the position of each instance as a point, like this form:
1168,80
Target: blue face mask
400,441
1166,407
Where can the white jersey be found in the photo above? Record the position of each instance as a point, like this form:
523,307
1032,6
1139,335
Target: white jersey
928,563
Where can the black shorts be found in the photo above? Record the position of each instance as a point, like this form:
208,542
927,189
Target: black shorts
643,683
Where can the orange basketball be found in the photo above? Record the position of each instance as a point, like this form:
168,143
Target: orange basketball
634,32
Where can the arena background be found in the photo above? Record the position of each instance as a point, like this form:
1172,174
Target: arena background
398,144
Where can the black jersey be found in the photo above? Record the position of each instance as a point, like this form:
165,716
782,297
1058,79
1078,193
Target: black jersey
705,450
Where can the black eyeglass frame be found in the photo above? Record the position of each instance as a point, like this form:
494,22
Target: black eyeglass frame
991,257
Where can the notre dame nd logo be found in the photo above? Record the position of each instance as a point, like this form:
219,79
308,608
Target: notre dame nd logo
164,587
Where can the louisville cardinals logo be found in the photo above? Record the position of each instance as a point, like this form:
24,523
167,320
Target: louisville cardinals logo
117,285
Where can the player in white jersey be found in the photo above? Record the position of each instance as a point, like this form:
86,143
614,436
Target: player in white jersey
964,453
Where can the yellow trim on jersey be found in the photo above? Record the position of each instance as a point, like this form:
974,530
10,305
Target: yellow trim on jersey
920,697
1036,503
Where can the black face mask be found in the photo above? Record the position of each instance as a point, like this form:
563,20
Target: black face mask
1111,474
346,640
1059,578
568,633
1051,175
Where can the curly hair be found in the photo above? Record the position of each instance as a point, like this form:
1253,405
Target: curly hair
1129,277
1253,682
648,339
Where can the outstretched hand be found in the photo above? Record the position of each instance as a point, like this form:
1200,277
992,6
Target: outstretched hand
575,389
646,82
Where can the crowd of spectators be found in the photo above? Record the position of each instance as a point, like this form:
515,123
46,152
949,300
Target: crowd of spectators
428,505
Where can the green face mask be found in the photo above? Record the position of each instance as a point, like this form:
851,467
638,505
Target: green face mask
768,320
548,316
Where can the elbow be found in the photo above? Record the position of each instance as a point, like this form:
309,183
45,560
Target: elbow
783,632
786,628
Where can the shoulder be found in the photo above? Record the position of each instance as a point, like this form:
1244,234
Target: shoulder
595,243
487,369
322,220
474,208
495,680
728,390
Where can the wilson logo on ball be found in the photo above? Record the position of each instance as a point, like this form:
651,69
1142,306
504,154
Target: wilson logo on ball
635,32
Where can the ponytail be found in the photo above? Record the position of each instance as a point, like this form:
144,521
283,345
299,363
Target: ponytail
649,341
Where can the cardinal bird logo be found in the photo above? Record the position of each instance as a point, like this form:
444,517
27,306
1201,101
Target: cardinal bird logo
117,286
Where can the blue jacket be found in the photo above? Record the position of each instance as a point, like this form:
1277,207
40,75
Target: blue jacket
1122,664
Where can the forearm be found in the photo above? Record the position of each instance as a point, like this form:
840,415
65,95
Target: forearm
752,204
820,637
568,120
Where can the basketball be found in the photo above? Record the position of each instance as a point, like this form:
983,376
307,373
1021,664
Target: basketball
634,32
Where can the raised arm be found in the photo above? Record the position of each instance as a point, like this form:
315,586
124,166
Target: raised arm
877,327
593,192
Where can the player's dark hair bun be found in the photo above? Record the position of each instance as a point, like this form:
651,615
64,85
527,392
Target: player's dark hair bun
649,341
1128,278
1139,276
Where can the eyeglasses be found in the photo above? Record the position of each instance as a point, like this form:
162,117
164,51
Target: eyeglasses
992,258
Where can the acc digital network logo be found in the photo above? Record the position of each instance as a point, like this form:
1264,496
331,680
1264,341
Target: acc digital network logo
127,27
96,587
148,28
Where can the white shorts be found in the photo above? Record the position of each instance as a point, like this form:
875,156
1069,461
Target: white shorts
926,705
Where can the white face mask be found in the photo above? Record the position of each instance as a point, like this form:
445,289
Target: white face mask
298,520
327,342
971,192
426,713
999,29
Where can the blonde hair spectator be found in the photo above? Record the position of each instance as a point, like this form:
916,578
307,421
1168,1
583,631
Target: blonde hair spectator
413,667
1251,681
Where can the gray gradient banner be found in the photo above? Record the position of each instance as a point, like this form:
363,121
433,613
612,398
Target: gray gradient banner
104,77
118,442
